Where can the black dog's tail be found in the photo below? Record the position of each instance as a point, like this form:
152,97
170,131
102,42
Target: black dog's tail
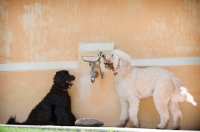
12,121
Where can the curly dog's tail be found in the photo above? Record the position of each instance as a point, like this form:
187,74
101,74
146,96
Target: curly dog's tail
183,95
12,120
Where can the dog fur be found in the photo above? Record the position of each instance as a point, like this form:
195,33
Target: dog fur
55,108
134,83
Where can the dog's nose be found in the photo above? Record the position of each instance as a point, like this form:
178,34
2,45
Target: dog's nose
103,55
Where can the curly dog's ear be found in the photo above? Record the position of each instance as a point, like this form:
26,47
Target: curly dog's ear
59,79
123,61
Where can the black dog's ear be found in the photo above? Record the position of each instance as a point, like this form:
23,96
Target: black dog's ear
59,79
66,72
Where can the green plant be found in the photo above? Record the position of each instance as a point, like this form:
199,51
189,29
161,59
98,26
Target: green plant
30,129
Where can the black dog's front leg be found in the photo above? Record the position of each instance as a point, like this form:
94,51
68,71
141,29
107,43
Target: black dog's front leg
62,117
71,117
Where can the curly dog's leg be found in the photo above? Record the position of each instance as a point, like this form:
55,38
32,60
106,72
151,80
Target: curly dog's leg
161,103
124,113
133,111
176,114
164,115
163,90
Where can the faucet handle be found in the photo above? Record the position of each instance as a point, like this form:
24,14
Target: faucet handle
99,54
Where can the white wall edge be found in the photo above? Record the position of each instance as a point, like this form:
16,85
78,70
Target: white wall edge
166,61
26,66
95,47
34,66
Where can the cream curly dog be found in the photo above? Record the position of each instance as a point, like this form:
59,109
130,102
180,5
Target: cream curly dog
134,83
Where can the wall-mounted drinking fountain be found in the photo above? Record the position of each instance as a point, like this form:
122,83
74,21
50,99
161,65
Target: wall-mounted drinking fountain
94,61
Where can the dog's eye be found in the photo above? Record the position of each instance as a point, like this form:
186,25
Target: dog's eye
112,55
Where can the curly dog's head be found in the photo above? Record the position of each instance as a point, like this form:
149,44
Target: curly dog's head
118,61
63,79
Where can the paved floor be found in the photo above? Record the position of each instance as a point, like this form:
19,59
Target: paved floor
114,129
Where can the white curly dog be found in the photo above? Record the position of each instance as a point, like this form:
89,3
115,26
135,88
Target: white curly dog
134,83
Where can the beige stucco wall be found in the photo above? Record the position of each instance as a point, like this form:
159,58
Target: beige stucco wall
51,30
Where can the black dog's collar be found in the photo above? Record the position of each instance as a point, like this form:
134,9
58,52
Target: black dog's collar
62,89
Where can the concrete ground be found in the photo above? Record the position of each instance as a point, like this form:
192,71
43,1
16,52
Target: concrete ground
114,129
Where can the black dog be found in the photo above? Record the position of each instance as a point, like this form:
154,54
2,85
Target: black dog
55,108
